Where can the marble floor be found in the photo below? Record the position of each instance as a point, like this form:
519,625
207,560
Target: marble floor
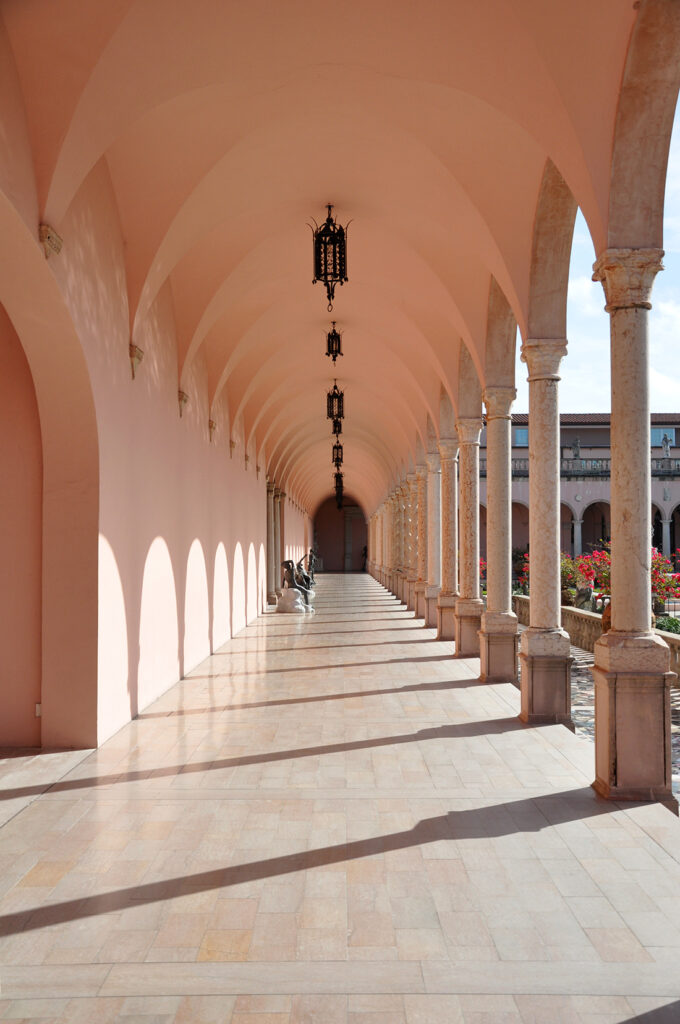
330,821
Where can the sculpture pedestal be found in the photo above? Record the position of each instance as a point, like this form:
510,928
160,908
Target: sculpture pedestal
546,676
446,623
632,718
498,641
467,618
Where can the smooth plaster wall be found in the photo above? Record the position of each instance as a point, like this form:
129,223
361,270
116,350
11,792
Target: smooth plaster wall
20,544
182,523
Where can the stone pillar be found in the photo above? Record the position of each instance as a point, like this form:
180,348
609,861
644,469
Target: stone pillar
421,585
271,546
578,541
388,543
544,647
413,541
498,636
469,606
434,540
402,494
370,565
632,663
666,537
278,571
448,595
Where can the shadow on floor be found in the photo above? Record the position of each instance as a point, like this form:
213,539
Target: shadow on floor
493,726
509,818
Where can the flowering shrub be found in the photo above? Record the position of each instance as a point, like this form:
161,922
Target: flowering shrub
482,570
594,570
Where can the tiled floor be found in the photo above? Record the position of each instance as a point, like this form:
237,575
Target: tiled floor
331,822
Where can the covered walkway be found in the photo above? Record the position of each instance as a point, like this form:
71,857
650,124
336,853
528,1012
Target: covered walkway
332,820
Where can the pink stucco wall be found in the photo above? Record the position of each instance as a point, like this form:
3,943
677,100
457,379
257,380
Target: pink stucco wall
20,544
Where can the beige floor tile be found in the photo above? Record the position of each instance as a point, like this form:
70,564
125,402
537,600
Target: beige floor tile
617,945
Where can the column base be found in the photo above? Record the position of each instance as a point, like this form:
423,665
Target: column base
420,599
400,587
410,594
271,598
498,641
467,617
431,595
633,718
446,623
546,677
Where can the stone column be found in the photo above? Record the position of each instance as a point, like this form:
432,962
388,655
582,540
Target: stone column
402,497
413,541
271,546
388,543
396,518
278,572
578,541
498,636
394,542
632,663
434,540
448,595
421,585
666,538
469,606
370,565
544,647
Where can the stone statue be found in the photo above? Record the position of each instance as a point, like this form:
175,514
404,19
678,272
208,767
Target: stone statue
576,448
666,445
302,577
311,564
583,597
290,582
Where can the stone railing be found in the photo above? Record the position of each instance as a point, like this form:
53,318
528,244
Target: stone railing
584,628
588,467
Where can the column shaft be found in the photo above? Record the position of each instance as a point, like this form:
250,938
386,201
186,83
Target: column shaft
446,602
544,647
469,606
271,550
498,638
421,477
434,553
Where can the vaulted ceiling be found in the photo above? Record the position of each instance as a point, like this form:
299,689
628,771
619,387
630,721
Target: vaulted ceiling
227,126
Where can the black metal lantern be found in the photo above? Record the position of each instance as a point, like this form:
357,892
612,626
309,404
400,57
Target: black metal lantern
335,403
330,255
338,490
333,344
337,455
337,428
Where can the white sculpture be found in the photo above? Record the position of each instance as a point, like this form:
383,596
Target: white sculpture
291,601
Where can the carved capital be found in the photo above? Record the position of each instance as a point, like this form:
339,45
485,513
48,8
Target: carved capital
270,487
433,462
448,448
627,276
498,402
469,428
543,357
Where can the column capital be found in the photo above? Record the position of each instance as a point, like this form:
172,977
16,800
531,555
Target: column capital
543,357
421,471
448,448
271,487
498,401
627,276
469,428
411,479
277,493
433,462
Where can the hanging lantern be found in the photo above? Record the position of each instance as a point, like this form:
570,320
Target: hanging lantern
337,428
337,455
333,344
330,255
338,490
335,403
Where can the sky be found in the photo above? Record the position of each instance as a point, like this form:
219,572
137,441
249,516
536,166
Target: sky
585,384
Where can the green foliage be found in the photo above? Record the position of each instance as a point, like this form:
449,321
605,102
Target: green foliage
668,623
